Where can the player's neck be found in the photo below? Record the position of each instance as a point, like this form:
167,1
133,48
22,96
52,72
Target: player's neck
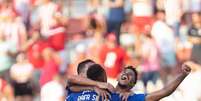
119,89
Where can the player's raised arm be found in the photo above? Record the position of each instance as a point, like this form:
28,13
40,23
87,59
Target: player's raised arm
170,88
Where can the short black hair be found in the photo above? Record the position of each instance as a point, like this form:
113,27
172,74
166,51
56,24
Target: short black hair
96,73
83,65
134,71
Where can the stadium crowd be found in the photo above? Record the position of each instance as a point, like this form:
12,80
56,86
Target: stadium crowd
42,41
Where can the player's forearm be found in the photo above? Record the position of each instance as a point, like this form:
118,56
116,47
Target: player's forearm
80,88
170,88
167,90
81,81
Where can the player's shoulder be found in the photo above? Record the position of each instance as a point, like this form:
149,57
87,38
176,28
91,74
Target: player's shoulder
83,95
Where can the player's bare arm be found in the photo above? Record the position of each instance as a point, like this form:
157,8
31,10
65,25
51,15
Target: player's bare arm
170,88
77,88
79,80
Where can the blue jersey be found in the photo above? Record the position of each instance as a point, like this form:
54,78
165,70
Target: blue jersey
88,96
137,97
68,91
91,96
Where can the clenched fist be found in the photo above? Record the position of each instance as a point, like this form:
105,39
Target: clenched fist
186,67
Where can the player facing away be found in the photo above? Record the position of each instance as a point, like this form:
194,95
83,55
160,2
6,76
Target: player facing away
95,72
126,81
76,83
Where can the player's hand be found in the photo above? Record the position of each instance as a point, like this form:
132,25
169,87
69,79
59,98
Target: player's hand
186,67
124,96
106,86
102,93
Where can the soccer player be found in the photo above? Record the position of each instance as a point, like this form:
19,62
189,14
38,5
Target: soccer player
75,81
128,78
96,73
81,71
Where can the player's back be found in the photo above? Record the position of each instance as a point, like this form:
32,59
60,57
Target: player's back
88,96
92,96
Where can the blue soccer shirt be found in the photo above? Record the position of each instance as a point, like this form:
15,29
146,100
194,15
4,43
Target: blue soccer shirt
137,97
88,96
91,96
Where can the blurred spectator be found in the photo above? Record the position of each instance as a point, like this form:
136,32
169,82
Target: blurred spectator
165,41
150,60
77,8
7,51
46,19
183,28
93,5
113,57
96,7
65,61
6,91
12,27
142,14
95,30
78,53
115,18
194,5
96,26
21,74
34,47
50,67
183,46
195,37
53,90
23,8
5,9
173,10
128,7
57,35
160,4
142,8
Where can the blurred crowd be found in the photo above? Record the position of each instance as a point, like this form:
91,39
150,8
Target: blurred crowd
42,41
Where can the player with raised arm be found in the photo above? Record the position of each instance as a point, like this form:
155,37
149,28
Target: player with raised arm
128,78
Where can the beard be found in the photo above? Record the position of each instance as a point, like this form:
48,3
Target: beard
123,86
